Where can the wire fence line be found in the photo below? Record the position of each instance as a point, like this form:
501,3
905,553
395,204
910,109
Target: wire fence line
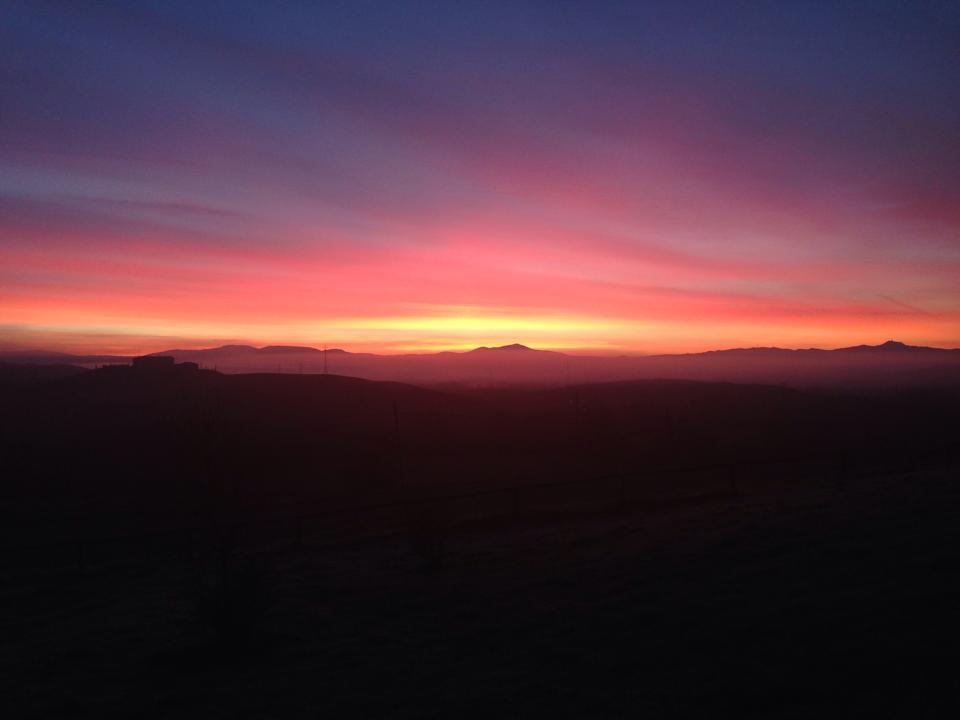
622,490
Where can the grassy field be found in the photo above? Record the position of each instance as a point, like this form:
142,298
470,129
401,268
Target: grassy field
823,600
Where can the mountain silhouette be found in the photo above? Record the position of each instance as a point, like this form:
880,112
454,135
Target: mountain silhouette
285,349
893,346
889,365
514,347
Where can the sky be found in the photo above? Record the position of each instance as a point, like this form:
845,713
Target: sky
613,177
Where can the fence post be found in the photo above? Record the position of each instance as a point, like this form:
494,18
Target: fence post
516,500
733,479
299,532
623,490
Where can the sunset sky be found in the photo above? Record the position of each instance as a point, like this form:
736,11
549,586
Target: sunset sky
407,176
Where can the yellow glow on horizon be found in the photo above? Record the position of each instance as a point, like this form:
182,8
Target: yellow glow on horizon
487,326
450,328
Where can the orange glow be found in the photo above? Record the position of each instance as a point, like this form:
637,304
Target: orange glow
628,285
398,301
562,184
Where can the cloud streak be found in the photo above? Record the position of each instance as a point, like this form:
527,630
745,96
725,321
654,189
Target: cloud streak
647,178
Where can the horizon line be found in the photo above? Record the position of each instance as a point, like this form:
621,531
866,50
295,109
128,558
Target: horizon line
585,352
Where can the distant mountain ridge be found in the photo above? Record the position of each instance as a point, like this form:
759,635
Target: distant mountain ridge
888,346
890,364
38,355
893,346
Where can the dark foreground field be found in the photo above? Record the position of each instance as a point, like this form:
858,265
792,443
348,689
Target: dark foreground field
716,550
826,601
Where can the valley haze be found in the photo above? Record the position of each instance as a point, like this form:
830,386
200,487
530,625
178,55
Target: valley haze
885,366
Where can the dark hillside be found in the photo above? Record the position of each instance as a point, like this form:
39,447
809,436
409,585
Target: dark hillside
121,448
